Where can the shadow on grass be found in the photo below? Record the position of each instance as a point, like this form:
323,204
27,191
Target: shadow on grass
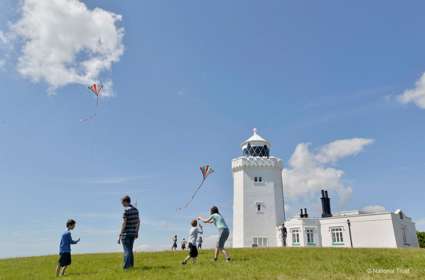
153,267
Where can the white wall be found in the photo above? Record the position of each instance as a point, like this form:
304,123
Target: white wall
247,222
303,224
373,230
377,230
409,229
238,206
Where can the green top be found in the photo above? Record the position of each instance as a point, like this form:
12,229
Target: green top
218,221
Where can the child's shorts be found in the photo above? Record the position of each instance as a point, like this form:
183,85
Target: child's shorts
64,259
193,251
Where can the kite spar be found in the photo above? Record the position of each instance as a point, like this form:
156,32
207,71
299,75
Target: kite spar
206,170
96,89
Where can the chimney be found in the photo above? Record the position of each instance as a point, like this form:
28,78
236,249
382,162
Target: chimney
301,213
305,213
323,200
326,205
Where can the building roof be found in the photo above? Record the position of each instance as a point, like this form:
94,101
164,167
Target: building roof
256,140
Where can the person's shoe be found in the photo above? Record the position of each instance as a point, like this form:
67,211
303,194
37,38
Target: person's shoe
184,263
215,259
228,260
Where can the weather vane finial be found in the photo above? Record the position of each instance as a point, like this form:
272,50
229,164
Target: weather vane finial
254,130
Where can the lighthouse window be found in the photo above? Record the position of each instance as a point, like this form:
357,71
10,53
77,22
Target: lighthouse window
256,151
337,237
258,179
259,242
260,207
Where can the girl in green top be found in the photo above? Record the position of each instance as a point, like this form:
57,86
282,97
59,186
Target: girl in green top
223,231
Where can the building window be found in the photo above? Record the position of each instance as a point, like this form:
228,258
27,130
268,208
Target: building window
259,242
295,236
337,237
258,179
310,236
260,207
403,230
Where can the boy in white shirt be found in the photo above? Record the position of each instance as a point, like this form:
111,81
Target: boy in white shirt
193,237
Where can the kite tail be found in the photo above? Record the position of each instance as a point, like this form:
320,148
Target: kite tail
193,196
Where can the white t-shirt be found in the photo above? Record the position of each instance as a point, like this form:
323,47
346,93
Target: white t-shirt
193,234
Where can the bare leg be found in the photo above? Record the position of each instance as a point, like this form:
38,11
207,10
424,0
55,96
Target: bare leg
216,253
58,269
63,270
186,259
226,255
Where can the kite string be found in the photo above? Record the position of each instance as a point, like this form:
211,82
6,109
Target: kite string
193,195
94,115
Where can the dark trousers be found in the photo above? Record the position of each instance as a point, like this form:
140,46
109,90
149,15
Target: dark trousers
127,244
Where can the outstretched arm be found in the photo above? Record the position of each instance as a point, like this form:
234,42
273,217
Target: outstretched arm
206,220
75,241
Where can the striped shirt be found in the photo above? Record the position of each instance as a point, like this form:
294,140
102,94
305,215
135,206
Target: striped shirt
131,216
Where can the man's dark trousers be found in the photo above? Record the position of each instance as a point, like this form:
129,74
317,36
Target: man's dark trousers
127,244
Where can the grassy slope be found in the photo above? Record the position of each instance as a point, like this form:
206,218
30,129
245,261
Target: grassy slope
280,264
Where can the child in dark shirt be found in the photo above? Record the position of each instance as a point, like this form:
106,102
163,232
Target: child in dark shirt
65,248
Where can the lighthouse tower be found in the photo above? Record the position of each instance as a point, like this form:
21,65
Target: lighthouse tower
258,201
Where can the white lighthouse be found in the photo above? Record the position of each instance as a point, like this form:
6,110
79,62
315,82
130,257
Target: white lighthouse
258,201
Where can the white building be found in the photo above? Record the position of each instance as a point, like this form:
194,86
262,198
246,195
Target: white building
258,195
258,211
357,229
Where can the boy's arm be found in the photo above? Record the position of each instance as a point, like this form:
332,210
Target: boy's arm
75,241
71,241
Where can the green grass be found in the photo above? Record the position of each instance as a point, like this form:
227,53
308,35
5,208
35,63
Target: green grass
279,264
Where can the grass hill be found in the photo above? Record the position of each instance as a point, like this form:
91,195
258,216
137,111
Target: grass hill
279,264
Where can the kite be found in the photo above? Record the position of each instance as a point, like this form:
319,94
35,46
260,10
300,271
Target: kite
206,170
96,89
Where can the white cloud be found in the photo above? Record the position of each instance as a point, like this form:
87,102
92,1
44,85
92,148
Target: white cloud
309,171
63,42
3,38
339,149
415,95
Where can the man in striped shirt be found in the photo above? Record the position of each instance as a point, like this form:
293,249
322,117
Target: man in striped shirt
129,231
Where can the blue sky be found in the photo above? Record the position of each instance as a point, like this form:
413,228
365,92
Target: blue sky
193,80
